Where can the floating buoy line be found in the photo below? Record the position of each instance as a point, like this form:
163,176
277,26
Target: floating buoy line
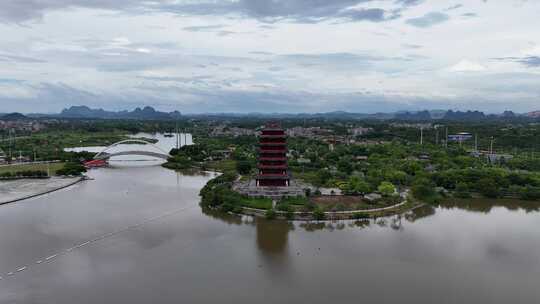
55,256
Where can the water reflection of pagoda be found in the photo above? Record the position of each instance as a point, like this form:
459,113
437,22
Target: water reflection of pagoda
273,169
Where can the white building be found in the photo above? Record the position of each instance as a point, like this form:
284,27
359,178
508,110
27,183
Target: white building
359,131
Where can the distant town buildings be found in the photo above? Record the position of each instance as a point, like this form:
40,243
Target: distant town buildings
224,130
412,125
22,125
3,157
359,131
316,133
460,137
310,132
495,158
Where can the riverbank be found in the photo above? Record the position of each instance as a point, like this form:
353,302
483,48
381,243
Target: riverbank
335,215
18,190
485,205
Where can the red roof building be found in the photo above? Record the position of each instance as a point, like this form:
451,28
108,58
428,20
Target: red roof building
273,168
96,163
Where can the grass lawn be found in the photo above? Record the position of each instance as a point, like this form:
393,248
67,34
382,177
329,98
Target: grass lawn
34,167
222,165
259,203
296,201
309,177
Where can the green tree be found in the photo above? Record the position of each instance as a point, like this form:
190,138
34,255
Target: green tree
318,214
323,176
356,185
423,189
179,161
488,187
270,214
71,169
530,193
462,191
243,167
386,189
345,166
396,176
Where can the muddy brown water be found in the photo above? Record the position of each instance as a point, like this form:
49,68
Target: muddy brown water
137,235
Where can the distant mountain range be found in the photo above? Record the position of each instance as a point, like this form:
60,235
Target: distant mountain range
534,114
149,113
446,115
421,115
146,113
462,116
13,116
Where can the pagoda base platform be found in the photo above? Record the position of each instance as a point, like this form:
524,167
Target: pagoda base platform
251,189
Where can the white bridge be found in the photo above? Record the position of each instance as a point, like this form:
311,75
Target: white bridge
154,152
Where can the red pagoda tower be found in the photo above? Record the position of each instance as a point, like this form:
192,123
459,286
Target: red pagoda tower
273,168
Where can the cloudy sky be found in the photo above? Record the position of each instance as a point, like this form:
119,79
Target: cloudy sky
270,55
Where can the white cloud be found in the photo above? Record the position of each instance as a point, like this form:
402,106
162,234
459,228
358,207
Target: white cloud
467,66
143,50
532,51
312,55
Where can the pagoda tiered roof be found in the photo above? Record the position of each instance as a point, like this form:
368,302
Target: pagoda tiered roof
272,128
283,136
283,166
273,176
268,143
273,158
273,151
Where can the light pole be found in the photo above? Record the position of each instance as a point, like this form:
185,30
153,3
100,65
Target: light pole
446,139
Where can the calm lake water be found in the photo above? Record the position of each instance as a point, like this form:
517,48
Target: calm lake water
138,235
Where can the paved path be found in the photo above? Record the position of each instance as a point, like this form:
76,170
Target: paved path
21,189
337,212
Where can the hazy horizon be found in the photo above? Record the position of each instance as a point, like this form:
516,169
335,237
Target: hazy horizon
265,113
287,56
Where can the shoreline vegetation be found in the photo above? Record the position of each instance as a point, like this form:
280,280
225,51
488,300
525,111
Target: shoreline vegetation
217,195
428,173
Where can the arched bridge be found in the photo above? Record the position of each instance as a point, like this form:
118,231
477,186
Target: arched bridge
107,153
